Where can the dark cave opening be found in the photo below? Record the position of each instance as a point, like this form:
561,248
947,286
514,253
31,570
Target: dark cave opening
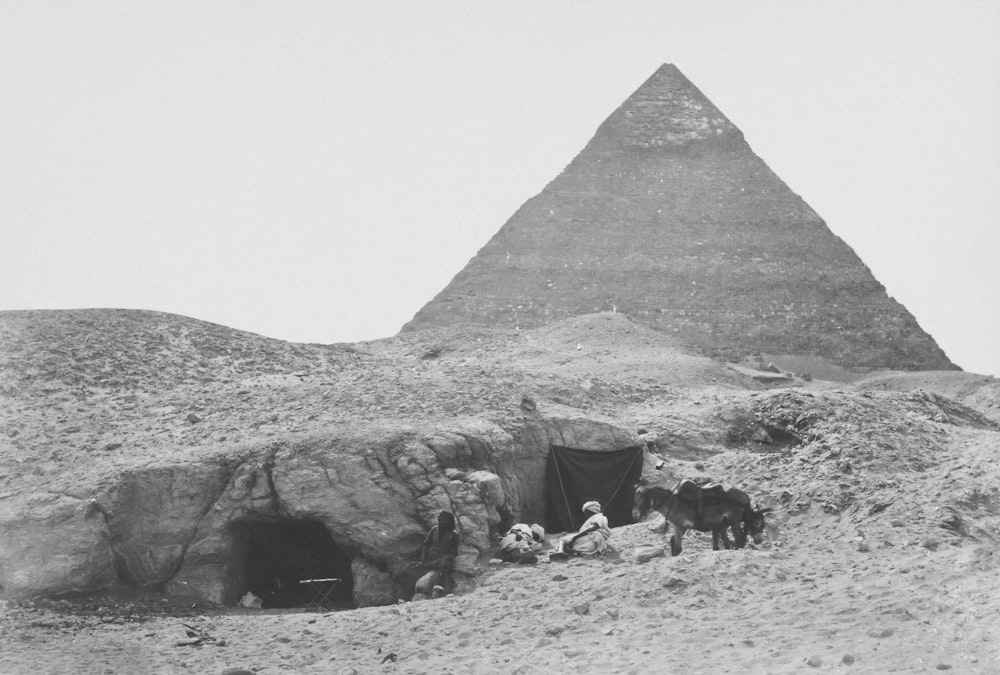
271,559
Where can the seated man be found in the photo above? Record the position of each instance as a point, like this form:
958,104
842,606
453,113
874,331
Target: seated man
592,539
437,557
522,543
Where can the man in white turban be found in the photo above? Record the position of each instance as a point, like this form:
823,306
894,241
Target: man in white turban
592,539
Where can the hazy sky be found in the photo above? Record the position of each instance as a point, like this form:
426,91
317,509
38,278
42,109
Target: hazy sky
317,171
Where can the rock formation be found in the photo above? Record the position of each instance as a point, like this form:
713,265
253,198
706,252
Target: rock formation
669,217
150,451
146,452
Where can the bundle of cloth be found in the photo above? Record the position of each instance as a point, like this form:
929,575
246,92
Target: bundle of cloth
522,544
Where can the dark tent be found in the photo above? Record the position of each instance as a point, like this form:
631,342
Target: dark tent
573,477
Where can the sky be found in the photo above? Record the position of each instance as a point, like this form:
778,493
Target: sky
317,171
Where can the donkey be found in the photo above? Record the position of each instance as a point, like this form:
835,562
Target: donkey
706,509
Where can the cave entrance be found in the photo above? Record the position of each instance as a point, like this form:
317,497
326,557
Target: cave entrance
272,557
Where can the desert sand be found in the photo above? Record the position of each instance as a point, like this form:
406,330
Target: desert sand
880,556
891,599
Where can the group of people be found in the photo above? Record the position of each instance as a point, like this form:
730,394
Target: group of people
521,544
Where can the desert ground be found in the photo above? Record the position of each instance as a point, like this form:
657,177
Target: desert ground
880,555
803,601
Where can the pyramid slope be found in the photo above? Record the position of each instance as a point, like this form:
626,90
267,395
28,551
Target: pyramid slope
668,216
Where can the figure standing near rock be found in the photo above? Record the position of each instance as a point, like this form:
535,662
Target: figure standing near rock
437,558
592,539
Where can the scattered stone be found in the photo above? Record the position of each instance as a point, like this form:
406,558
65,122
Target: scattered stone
814,661
643,554
943,666
582,608
193,419
848,659
930,543
863,547
237,671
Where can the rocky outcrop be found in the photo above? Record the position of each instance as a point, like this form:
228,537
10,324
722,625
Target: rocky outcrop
52,543
369,491
669,217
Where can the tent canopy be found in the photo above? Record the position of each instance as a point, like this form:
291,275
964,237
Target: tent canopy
573,477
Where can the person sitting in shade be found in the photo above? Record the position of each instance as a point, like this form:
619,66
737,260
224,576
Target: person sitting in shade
522,544
437,557
592,539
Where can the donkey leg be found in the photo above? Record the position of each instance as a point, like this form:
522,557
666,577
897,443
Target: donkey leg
675,541
740,533
724,534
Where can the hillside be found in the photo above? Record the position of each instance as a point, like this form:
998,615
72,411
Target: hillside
883,536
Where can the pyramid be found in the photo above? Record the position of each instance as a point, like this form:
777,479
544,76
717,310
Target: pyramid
669,217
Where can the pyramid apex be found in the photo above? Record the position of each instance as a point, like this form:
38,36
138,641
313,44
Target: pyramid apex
667,111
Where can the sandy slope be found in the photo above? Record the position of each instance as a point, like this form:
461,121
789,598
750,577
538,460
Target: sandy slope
881,556
794,605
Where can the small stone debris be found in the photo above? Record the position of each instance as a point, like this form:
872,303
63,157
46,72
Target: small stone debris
643,554
197,637
814,661
582,608
675,582
848,659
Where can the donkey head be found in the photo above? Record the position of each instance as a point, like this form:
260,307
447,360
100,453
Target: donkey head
755,523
